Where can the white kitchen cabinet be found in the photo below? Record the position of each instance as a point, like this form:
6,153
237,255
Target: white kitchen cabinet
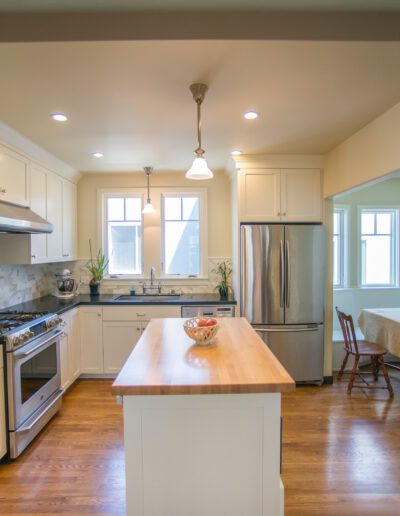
91,337
287,195
260,195
70,348
54,215
300,195
69,221
119,339
38,188
3,428
14,177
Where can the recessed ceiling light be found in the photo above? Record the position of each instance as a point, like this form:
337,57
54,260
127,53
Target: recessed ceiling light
98,155
251,115
236,152
59,117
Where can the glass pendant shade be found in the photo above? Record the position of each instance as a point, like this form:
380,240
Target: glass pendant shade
199,170
149,208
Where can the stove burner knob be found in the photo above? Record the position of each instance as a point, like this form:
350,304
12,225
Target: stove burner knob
30,333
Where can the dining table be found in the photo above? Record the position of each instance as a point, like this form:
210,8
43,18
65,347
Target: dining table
382,326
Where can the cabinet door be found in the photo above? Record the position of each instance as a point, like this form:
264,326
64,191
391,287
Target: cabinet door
74,346
64,362
54,215
119,339
69,220
91,340
301,195
260,195
38,186
14,177
3,437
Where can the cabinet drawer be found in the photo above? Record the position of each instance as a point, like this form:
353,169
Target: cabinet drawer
139,312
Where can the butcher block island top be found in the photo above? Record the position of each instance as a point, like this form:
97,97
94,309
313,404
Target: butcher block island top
166,361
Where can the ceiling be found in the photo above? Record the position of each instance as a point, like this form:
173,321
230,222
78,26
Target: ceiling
131,100
169,5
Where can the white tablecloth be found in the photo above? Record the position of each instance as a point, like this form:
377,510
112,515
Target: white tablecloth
382,326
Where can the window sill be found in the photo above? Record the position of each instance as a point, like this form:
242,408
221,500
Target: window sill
164,280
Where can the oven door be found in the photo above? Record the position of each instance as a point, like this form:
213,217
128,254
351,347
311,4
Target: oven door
34,375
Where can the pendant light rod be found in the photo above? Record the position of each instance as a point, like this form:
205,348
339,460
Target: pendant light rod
148,171
198,90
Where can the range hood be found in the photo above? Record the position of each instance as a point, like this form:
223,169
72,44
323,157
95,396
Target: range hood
17,219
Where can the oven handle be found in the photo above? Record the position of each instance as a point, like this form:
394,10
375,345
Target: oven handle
29,428
27,353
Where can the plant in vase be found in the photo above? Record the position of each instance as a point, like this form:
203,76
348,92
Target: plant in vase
97,267
224,272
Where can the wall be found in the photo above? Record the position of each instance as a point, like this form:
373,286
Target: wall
218,214
371,153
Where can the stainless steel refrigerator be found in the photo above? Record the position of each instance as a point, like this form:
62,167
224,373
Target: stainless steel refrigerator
283,293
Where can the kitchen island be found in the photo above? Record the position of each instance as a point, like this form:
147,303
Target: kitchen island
202,425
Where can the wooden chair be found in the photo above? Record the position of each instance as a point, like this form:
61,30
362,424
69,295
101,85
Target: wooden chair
358,349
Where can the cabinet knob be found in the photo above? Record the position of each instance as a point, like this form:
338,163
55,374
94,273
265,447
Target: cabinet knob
33,255
279,213
3,190
284,213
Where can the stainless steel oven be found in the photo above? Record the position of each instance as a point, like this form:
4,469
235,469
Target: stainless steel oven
33,381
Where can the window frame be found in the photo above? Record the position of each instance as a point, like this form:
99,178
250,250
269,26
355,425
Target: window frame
344,235
394,210
152,227
103,223
201,193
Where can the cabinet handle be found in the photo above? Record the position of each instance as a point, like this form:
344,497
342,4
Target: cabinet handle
3,190
33,255
65,255
98,315
279,213
284,213
140,315
138,329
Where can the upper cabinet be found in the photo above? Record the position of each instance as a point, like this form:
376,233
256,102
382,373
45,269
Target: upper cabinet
14,177
54,215
287,195
69,221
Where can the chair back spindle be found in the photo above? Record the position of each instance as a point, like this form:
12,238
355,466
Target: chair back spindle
349,335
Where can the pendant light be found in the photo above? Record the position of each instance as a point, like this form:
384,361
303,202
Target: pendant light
149,208
199,169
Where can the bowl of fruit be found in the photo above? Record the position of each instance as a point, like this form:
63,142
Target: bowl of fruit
201,330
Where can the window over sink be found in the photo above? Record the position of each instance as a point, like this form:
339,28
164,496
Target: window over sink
173,238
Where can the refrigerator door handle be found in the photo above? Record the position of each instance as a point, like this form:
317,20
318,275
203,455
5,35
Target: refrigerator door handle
282,275
287,283
285,330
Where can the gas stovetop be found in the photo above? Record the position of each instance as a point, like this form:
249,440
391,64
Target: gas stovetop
18,328
12,320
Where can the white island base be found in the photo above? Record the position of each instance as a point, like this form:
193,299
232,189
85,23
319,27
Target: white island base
203,455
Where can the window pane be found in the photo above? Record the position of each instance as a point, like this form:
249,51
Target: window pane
124,242
376,252
182,248
367,223
336,224
190,208
384,223
172,208
115,210
133,208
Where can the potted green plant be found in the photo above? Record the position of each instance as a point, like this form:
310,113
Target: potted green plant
224,272
97,267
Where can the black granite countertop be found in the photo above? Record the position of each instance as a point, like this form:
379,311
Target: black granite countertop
55,305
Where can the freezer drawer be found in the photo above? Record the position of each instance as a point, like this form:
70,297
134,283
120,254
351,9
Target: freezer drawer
300,349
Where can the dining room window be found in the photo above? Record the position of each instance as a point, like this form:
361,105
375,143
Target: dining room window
378,247
340,246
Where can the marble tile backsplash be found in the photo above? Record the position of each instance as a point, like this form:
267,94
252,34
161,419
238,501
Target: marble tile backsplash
19,283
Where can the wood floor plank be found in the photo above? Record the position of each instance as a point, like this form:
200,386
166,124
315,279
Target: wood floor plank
341,455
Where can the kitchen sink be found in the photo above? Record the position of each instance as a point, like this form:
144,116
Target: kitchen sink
149,298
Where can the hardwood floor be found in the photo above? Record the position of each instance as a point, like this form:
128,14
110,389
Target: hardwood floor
341,455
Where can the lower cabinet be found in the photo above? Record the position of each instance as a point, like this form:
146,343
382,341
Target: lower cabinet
91,340
3,429
119,339
70,349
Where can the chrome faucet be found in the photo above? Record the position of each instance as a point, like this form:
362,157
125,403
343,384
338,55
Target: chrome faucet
152,288
152,273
